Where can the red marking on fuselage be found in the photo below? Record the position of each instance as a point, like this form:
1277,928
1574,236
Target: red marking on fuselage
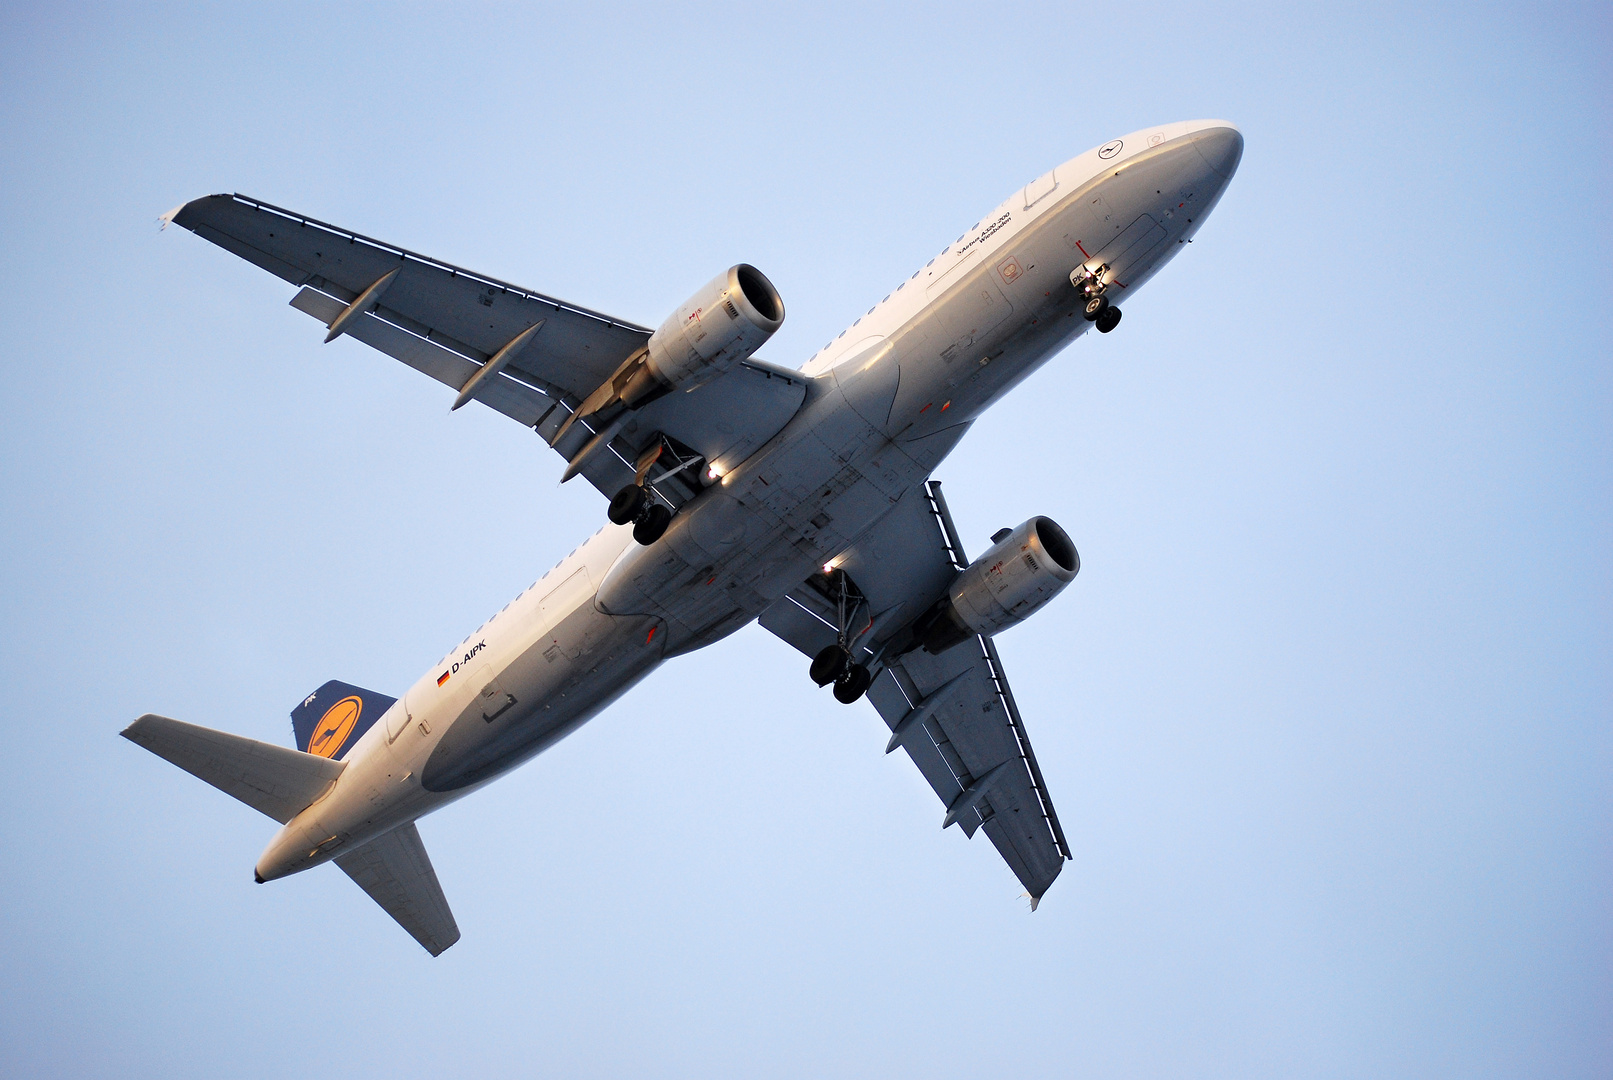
1083,250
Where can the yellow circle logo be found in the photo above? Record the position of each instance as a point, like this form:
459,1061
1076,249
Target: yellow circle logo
335,726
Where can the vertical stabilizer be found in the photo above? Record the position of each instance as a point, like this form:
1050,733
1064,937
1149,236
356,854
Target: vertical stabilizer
330,720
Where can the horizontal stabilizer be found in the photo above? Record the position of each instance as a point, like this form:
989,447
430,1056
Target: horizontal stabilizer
271,779
395,870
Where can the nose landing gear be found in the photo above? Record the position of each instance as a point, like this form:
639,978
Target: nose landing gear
1092,284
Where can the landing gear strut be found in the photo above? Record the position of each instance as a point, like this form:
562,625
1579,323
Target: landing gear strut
834,664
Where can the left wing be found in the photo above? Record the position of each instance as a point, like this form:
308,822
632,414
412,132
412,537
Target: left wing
531,357
953,713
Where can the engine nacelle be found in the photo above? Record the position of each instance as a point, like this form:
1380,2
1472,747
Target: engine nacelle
719,326
1016,575
722,324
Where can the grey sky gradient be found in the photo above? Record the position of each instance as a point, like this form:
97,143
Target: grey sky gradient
1326,714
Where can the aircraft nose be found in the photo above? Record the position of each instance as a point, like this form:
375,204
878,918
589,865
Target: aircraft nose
1221,147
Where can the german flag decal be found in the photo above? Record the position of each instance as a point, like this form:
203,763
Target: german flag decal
444,676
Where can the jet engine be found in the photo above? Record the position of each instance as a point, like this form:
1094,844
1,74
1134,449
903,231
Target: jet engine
1018,574
719,326
722,324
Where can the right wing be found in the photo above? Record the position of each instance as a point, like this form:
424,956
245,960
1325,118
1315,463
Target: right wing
953,713
395,870
531,357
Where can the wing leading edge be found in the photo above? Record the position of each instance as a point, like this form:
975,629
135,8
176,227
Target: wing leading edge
953,713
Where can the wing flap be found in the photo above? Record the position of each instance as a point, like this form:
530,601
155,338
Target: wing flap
397,873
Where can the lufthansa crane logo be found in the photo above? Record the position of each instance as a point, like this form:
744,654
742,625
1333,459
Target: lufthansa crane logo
335,726
1110,149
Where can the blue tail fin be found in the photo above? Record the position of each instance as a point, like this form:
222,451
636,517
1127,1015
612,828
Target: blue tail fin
330,720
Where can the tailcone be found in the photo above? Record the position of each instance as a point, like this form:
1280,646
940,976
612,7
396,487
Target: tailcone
293,849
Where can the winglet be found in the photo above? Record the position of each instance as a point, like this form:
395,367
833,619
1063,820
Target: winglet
167,219
1033,899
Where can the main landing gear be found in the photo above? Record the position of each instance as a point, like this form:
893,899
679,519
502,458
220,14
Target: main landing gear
649,517
639,503
1096,309
834,664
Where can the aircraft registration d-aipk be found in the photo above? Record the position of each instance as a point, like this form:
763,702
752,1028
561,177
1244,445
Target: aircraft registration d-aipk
738,490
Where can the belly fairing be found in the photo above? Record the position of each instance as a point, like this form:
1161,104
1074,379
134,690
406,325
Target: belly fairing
556,689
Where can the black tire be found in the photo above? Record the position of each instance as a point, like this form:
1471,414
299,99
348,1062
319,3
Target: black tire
627,504
829,664
1095,308
853,684
652,525
1108,320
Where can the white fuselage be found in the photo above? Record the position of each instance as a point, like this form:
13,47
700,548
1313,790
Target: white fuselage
886,401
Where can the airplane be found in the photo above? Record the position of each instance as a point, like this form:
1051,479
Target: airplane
738,490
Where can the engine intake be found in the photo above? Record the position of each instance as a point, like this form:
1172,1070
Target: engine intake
722,324
1015,576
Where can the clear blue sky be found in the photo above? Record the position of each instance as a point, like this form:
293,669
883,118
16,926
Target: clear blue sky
1326,715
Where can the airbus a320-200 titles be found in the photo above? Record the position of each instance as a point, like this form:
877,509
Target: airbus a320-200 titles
738,490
